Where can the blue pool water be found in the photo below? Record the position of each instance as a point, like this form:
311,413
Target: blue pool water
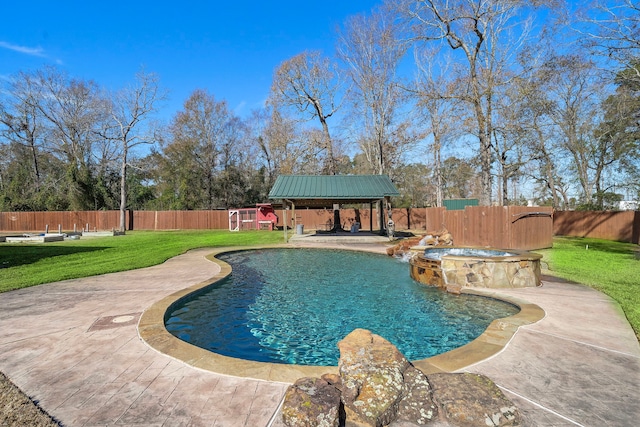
294,305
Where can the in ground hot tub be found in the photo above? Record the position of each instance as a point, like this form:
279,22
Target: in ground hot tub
453,268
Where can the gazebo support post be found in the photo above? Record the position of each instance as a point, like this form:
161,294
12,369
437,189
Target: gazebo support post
381,216
389,223
293,216
284,218
337,223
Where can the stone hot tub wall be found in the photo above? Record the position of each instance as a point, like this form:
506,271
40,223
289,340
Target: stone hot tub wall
453,272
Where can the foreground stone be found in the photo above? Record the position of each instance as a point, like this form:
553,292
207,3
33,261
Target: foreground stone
312,402
377,386
417,405
374,386
472,400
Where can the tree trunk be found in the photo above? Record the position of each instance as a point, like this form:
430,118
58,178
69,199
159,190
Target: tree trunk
505,187
36,167
123,189
329,145
438,168
484,135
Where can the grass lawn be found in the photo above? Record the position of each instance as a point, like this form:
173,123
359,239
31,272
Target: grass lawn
611,267
28,264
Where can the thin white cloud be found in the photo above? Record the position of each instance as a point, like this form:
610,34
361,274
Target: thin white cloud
33,51
240,107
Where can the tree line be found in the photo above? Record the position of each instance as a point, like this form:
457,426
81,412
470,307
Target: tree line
499,100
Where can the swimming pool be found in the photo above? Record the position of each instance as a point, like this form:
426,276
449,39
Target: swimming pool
293,306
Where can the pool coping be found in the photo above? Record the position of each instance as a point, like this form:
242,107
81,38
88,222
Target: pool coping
152,330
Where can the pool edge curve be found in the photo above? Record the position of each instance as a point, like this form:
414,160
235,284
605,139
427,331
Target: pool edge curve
152,331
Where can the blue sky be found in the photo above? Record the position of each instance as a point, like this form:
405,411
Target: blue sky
229,49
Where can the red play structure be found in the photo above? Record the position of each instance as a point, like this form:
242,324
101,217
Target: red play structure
262,217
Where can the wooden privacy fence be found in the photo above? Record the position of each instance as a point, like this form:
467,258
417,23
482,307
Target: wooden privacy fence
68,221
621,226
108,220
505,227
508,227
180,220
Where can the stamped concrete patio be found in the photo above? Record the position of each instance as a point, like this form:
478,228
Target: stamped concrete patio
74,347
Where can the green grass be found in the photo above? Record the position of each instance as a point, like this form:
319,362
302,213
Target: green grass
29,264
610,267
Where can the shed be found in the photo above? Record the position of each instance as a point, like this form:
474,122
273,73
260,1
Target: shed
324,191
459,204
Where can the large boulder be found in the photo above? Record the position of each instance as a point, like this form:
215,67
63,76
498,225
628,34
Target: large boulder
379,384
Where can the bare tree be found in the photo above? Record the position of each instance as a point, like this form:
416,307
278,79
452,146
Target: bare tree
577,92
612,29
308,84
21,121
512,139
617,138
534,117
545,152
372,49
436,98
483,31
199,161
525,138
75,111
130,108
461,180
284,149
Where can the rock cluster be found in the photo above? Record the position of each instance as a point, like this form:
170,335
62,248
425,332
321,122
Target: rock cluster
432,238
377,386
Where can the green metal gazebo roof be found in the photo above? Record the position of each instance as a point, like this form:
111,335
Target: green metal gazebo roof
313,190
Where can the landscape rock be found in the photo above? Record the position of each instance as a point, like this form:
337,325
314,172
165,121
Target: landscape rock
371,370
432,238
472,400
377,386
403,246
416,406
312,402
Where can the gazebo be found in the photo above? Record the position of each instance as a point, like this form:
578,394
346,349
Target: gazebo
325,191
